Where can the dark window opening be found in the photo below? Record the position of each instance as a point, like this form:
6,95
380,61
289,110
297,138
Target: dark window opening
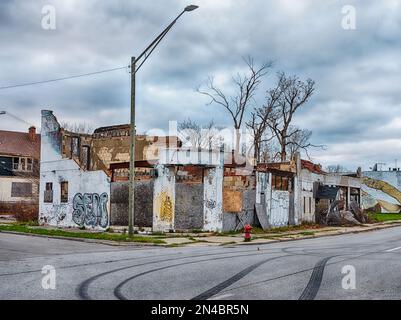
29,164
48,196
64,192
280,183
15,163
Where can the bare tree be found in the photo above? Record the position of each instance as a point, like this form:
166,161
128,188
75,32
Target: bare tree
336,168
81,127
198,136
259,124
287,97
246,86
299,141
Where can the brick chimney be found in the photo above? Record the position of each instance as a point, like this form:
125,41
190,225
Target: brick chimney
32,134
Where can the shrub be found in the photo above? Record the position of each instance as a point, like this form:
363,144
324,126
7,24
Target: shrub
25,212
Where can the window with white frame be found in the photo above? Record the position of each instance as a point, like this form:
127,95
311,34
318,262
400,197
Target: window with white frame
22,164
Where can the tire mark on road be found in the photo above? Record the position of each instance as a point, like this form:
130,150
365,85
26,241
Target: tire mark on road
82,289
118,294
220,287
315,280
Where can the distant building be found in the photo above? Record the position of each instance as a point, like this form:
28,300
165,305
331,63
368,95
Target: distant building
19,169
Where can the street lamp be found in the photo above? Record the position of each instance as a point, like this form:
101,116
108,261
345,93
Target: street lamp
134,69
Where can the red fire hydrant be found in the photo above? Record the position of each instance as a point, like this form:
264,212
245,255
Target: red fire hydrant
247,233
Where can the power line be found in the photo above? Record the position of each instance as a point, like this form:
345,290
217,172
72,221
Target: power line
61,79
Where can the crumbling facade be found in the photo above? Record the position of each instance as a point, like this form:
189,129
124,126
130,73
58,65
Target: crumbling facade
84,183
70,195
288,192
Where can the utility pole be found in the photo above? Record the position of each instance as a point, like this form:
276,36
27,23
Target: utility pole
131,206
134,69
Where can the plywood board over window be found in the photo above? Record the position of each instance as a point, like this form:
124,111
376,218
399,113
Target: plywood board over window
232,201
21,189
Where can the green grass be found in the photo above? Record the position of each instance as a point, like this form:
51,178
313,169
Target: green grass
82,235
307,233
382,217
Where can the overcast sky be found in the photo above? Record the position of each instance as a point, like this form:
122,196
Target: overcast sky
355,110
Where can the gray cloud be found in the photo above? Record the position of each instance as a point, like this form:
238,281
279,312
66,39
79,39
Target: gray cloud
354,111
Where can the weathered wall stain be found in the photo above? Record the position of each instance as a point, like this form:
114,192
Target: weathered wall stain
90,209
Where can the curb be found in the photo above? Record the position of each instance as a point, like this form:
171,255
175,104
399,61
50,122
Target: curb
105,242
388,226
144,244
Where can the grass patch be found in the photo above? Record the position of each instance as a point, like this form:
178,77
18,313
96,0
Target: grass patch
307,233
382,217
82,235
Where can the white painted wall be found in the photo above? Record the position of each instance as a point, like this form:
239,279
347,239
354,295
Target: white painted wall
174,156
213,199
306,180
79,181
277,202
55,169
279,211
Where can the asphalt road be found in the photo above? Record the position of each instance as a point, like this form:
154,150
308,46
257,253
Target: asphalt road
305,269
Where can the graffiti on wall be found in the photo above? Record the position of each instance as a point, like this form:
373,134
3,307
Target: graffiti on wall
90,209
379,195
55,213
166,207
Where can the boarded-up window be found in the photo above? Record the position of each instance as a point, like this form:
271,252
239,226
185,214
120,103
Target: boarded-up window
64,191
280,183
21,189
232,200
48,196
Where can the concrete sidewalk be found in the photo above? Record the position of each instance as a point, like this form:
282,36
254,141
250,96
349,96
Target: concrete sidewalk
271,237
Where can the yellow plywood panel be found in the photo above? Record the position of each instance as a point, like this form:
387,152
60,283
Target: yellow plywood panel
232,201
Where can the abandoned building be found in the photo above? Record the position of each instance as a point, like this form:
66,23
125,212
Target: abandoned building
84,182
19,169
289,193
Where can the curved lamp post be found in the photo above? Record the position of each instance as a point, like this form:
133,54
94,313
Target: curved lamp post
134,69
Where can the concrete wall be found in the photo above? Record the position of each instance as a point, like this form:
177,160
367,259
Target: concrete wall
88,191
164,199
188,206
195,202
213,199
143,203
